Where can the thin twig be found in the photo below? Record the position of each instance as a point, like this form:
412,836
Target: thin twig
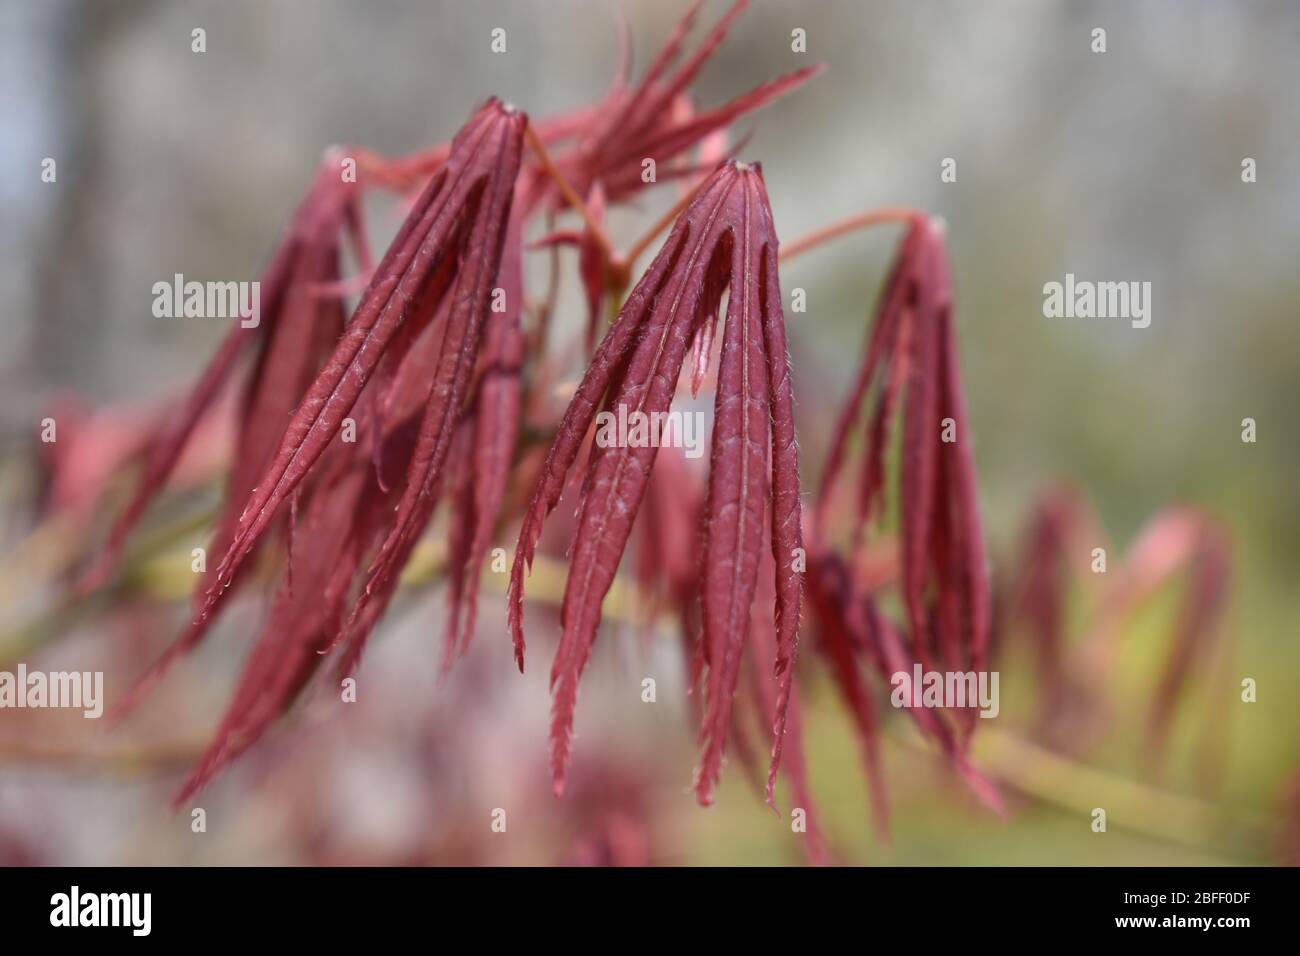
874,217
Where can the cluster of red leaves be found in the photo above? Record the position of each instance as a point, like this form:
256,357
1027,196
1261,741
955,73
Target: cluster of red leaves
407,359
723,240
349,432
910,360
650,125
911,356
656,120
427,375
408,356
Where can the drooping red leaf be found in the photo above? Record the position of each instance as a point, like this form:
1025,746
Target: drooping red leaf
724,234
288,649
343,522
403,414
460,218
885,361
1059,528
495,415
912,351
786,501
471,298
964,577
738,490
911,358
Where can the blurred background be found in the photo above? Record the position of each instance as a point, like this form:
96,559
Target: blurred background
1117,166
